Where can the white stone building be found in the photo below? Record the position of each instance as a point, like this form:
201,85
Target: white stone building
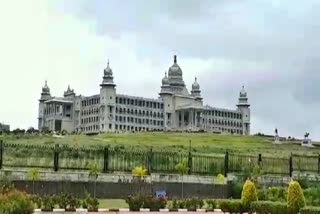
176,109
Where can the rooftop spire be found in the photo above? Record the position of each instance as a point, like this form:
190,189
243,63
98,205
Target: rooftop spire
175,58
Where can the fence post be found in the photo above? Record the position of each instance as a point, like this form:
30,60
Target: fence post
290,166
259,160
105,159
56,158
319,164
149,156
226,164
190,160
1,153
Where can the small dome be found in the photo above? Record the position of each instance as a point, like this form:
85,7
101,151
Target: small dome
45,88
165,80
243,92
108,70
195,85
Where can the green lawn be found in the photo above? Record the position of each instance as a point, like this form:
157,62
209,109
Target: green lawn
113,203
203,143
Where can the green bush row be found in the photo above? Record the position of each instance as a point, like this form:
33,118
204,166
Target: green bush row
190,203
140,201
15,202
266,207
65,201
310,210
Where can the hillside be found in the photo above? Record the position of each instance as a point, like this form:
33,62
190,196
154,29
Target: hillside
204,143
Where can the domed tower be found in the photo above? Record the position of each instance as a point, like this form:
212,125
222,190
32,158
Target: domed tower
165,87
107,100
69,93
45,95
175,78
196,92
244,107
166,96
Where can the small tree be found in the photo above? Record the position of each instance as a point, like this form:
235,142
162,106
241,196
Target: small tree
182,169
249,193
139,171
94,173
33,175
295,198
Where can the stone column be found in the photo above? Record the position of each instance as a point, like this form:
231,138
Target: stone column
182,118
190,119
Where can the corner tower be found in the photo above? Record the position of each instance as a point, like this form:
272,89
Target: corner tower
45,95
107,100
244,107
166,96
196,92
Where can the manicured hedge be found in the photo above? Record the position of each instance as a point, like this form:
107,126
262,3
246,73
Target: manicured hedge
266,207
310,210
231,206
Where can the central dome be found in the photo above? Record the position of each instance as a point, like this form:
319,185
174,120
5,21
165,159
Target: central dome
175,69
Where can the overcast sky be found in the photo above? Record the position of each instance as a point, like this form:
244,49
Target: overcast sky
270,46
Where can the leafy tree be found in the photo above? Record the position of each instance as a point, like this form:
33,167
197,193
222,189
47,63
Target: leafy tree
182,169
94,173
30,130
139,171
33,175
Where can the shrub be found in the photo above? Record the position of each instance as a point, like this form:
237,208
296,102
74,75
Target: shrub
220,179
310,210
135,202
194,203
231,206
212,204
276,194
266,207
262,195
191,203
67,201
154,203
312,196
48,202
237,189
15,202
249,194
295,199
93,203
36,200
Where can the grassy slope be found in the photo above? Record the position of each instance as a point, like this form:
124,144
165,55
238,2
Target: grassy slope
201,143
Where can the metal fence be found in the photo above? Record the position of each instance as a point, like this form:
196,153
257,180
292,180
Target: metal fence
113,160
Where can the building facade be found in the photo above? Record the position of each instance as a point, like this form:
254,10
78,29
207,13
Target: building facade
175,109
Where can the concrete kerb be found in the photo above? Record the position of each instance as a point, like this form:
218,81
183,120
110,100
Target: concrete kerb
126,210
